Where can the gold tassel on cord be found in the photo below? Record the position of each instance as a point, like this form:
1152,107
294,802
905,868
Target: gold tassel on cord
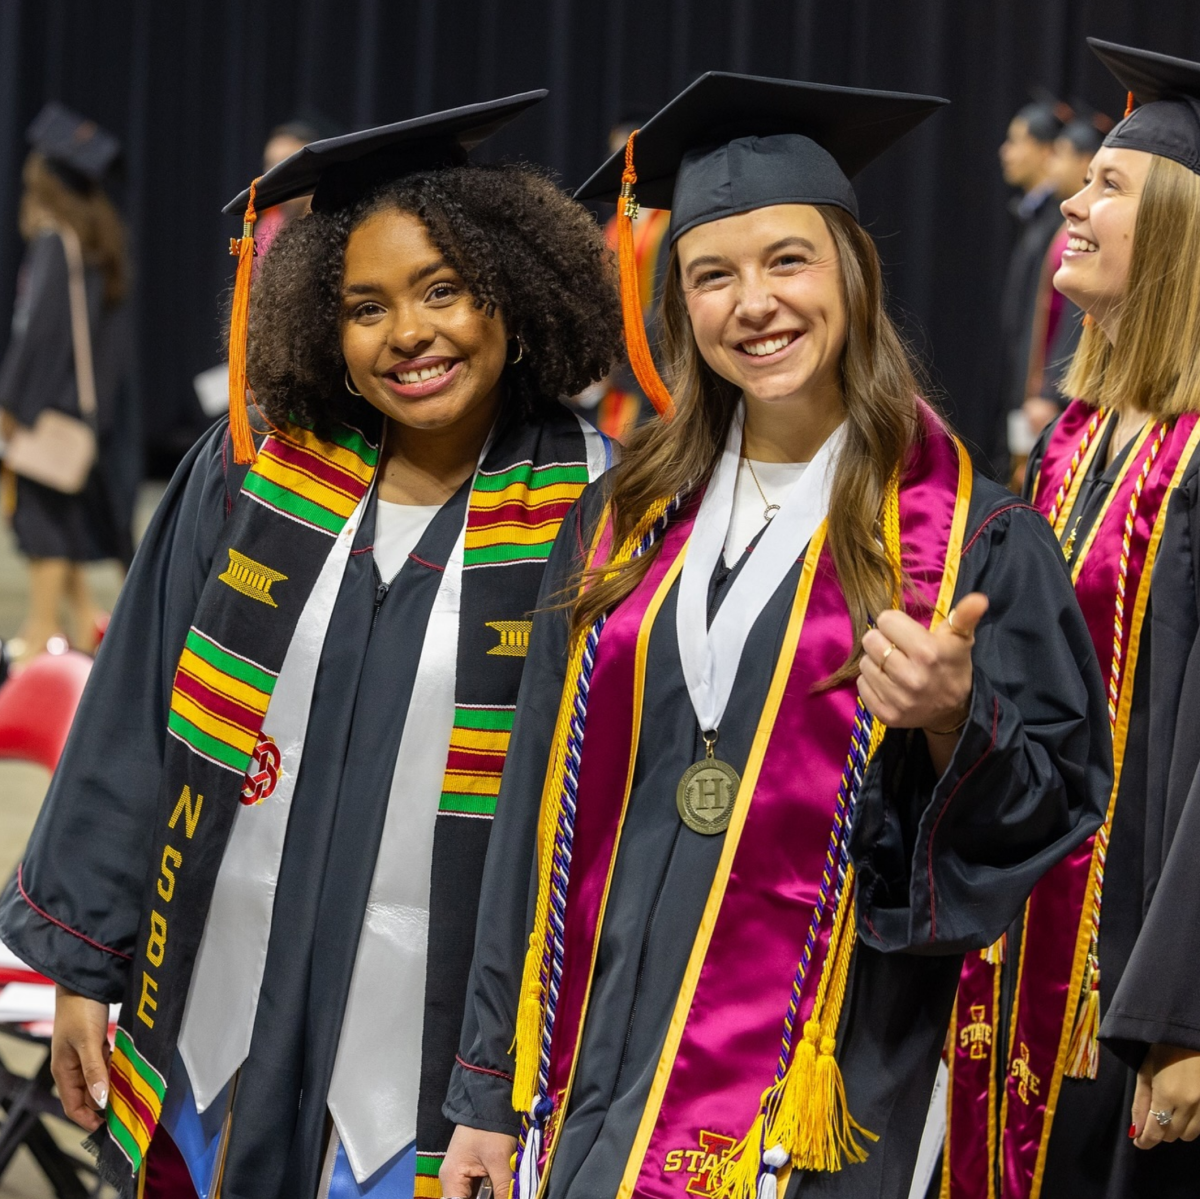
640,358
1083,1051
239,324
806,1114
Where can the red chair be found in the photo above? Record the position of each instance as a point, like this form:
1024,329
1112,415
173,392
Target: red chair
37,705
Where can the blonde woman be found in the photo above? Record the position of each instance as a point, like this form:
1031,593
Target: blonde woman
1110,937
799,766
64,198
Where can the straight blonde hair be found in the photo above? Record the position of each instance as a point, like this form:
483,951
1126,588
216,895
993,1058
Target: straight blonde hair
1154,364
879,388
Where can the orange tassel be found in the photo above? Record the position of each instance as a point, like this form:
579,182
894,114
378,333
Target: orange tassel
1129,102
239,323
631,303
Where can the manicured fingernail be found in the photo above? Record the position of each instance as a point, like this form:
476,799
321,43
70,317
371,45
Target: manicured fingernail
99,1094
1132,1131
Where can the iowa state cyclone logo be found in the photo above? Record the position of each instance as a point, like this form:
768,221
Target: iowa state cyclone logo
262,775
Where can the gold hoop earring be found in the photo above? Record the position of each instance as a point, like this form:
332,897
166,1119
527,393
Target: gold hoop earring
350,386
520,353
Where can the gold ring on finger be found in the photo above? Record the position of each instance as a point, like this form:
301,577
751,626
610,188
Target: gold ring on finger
883,661
956,631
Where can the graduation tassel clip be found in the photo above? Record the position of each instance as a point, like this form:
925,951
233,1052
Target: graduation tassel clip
640,358
239,326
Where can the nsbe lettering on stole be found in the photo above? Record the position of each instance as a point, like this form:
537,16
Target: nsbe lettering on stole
156,941
701,1164
705,796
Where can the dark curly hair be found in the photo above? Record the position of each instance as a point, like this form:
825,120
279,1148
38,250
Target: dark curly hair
514,238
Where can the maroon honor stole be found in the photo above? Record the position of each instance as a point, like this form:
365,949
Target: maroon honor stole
1055,1015
780,907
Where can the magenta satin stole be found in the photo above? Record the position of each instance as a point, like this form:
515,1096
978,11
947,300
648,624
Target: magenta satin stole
723,1044
1058,916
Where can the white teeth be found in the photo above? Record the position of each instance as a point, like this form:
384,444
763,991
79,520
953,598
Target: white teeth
771,345
421,376
1082,245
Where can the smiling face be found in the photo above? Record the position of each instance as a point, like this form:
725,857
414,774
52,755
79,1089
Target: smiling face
1100,222
766,301
417,345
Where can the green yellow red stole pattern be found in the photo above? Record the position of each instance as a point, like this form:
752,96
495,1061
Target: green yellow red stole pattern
295,500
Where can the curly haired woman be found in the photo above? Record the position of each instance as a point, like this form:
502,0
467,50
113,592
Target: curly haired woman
268,827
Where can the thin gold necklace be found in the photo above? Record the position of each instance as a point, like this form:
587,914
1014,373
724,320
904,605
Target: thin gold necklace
770,509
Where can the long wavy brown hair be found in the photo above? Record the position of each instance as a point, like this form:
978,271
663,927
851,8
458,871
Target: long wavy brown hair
678,456
1153,366
48,200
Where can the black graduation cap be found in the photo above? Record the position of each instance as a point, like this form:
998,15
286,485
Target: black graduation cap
731,143
339,170
1168,92
79,148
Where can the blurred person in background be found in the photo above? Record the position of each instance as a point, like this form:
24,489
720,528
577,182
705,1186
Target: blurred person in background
1057,322
1026,156
282,142
64,204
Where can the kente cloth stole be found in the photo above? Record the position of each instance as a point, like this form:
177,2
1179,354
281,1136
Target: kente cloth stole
723,1045
293,511
997,1143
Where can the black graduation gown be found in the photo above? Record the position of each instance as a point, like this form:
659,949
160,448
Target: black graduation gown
92,841
38,372
1150,920
1026,780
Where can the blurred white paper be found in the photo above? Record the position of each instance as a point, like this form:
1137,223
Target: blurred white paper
933,1136
212,390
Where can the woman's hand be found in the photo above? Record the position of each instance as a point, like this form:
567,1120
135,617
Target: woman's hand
911,678
473,1156
1169,1081
79,1057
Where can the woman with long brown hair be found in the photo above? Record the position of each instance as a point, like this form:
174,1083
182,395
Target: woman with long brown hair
65,360
1102,997
800,766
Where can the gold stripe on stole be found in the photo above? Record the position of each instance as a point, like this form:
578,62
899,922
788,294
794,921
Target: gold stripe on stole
1085,464
762,736
716,896
639,686
1120,737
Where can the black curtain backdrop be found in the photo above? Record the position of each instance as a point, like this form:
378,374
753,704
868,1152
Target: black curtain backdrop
193,86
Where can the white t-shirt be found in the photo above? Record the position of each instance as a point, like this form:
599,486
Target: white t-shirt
776,480
398,528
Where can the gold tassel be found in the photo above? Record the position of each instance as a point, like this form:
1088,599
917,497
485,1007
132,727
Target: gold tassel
239,325
996,953
640,358
737,1173
1083,1051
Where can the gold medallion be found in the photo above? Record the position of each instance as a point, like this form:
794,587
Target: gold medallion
705,795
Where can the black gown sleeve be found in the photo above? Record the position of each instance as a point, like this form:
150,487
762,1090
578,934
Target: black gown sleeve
946,863
1157,1000
38,370
480,1094
71,909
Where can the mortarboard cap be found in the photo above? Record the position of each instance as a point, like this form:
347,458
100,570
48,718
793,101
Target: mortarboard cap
339,170
731,143
1167,89
80,148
